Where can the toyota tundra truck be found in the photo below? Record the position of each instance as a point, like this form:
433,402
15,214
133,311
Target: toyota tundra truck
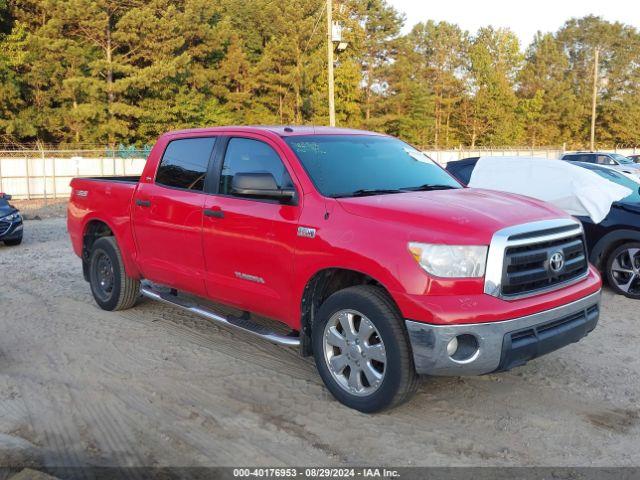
352,246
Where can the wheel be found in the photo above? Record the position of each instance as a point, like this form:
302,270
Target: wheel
623,270
13,243
362,351
111,287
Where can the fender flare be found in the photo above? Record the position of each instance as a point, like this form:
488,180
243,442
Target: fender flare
130,265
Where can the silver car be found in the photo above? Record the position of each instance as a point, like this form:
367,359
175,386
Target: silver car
613,160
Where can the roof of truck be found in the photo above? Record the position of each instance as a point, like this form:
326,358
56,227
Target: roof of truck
281,130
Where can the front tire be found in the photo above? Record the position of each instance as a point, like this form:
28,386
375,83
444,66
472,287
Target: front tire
111,287
623,270
362,350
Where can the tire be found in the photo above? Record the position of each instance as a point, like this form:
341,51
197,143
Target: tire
13,243
368,306
111,287
623,270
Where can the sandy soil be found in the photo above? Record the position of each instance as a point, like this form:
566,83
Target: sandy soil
154,386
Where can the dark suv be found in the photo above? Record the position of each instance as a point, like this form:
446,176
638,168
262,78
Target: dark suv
10,222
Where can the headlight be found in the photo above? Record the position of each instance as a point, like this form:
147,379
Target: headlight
14,217
450,261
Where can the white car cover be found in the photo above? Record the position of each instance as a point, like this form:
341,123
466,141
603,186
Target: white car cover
574,189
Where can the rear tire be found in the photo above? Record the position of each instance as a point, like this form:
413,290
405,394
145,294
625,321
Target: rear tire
374,344
13,243
111,287
623,270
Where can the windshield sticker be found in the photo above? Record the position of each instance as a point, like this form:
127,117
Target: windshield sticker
419,156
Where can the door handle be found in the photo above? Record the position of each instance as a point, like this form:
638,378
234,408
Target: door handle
143,203
216,213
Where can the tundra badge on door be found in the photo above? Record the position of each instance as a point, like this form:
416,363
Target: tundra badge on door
307,232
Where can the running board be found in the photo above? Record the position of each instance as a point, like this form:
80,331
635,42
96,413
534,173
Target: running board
239,323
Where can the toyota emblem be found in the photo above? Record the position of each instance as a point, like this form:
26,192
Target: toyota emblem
556,262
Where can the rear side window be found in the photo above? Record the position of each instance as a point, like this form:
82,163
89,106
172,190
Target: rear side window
245,155
605,160
184,163
580,157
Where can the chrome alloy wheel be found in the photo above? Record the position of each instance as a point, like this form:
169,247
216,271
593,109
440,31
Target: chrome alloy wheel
625,270
354,352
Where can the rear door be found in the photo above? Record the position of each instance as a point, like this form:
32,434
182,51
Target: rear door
248,242
167,216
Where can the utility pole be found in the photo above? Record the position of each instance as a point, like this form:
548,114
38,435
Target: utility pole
594,99
332,106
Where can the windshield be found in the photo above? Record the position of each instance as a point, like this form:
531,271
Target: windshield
621,179
620,158
356,165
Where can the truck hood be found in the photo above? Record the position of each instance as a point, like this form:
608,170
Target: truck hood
466,215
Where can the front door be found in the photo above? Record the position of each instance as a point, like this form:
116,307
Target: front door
167,216
247,241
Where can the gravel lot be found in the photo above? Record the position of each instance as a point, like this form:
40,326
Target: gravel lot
153,386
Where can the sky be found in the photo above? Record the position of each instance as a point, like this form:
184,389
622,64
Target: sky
525,18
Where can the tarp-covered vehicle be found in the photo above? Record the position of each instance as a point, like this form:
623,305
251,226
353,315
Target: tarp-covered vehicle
10,222
607,204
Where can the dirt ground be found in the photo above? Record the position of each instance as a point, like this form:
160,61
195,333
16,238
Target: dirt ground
153,386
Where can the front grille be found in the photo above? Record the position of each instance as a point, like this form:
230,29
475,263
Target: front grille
4,227
527,267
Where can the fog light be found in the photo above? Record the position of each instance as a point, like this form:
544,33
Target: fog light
452,346
463,348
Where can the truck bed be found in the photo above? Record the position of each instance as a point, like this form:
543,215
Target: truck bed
108,199
120,179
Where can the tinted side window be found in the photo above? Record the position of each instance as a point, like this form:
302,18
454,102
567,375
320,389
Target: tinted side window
245,155
571,158
184,163
587,158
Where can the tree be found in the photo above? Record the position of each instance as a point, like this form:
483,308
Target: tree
490,107
619,47
123,71
548,105
441,49
380,25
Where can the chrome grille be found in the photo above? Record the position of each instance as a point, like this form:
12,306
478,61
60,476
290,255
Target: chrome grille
523,260
527,267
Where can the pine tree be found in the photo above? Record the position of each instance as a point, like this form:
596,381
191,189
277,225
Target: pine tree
491,113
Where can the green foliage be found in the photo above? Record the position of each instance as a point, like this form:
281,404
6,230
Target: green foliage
122,72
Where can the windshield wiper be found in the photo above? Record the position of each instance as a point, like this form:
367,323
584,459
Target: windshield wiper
364,192
429,186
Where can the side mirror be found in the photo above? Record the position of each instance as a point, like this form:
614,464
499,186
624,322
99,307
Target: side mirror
260,185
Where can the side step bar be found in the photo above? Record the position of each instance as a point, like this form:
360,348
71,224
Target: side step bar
239,323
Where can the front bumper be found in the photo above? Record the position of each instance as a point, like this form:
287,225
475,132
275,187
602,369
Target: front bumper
502,345
14,232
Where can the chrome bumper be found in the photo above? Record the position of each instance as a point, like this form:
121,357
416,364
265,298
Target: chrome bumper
502,345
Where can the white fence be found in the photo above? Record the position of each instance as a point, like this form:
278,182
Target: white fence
29,176
46,174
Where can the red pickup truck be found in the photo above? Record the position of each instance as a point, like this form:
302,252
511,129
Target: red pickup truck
377,261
